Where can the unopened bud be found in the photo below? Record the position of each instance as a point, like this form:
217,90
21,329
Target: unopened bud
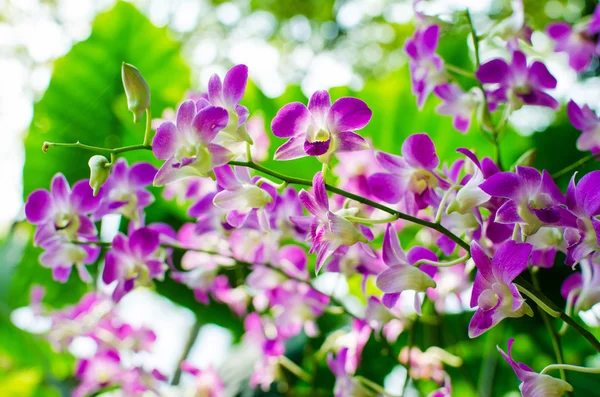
527,159
99,172
137,91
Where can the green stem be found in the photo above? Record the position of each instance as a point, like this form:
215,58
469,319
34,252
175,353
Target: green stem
487,118
295,369
367,221
575,165
80,145
360,199
374,386
186,351
441,207
569,308
462,259
568,367
460,71
553,334
539,302
148,130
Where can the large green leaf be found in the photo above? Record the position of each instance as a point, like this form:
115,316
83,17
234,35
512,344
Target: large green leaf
85,100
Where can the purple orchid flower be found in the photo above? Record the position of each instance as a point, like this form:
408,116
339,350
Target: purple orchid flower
321,129
102,370
411,179
584,286
207,381
576,41
134,260
546,243
61,256
388,321
401,275
585,120
345,384
241,195
532,383
62,211
227,95
61,216
426,67
518,83
328,230
583,199
534,200
124,191
458,104
188,145
494,293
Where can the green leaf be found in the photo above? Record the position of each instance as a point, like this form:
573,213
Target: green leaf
85,99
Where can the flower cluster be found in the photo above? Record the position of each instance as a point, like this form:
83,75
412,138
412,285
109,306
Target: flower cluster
254,242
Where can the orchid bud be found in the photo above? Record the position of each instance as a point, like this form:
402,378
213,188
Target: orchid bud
99,172
527,159
137,91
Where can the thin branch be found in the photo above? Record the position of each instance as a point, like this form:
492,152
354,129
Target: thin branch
579,163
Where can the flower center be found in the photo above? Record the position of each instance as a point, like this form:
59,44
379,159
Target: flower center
488,299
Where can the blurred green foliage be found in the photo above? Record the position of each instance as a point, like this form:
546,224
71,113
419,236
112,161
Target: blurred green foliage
85,101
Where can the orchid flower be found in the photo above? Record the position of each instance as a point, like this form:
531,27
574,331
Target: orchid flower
228,94
187,146
328,230
401,275
321,129
577,41
532,383
583,199
240,196
584,119
124,191
411,179
207,381
426,67
134,260
458,104
534,200
494,293
518,83
584,286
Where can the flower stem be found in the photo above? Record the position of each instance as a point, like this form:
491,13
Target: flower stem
457,70
441,207
568,367
575,165
360,199
368,221
295,369
457,261
487,118
553,335
539,302
80,145
374,386
148,130
569,308
186,351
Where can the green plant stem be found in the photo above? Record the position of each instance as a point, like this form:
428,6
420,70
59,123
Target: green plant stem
575,165
148,130
186,351
570,368
352,196
80,145
295,369
368,221
553,334
460,71
487,118
462,259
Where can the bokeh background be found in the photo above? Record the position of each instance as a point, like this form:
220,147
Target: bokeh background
60,81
